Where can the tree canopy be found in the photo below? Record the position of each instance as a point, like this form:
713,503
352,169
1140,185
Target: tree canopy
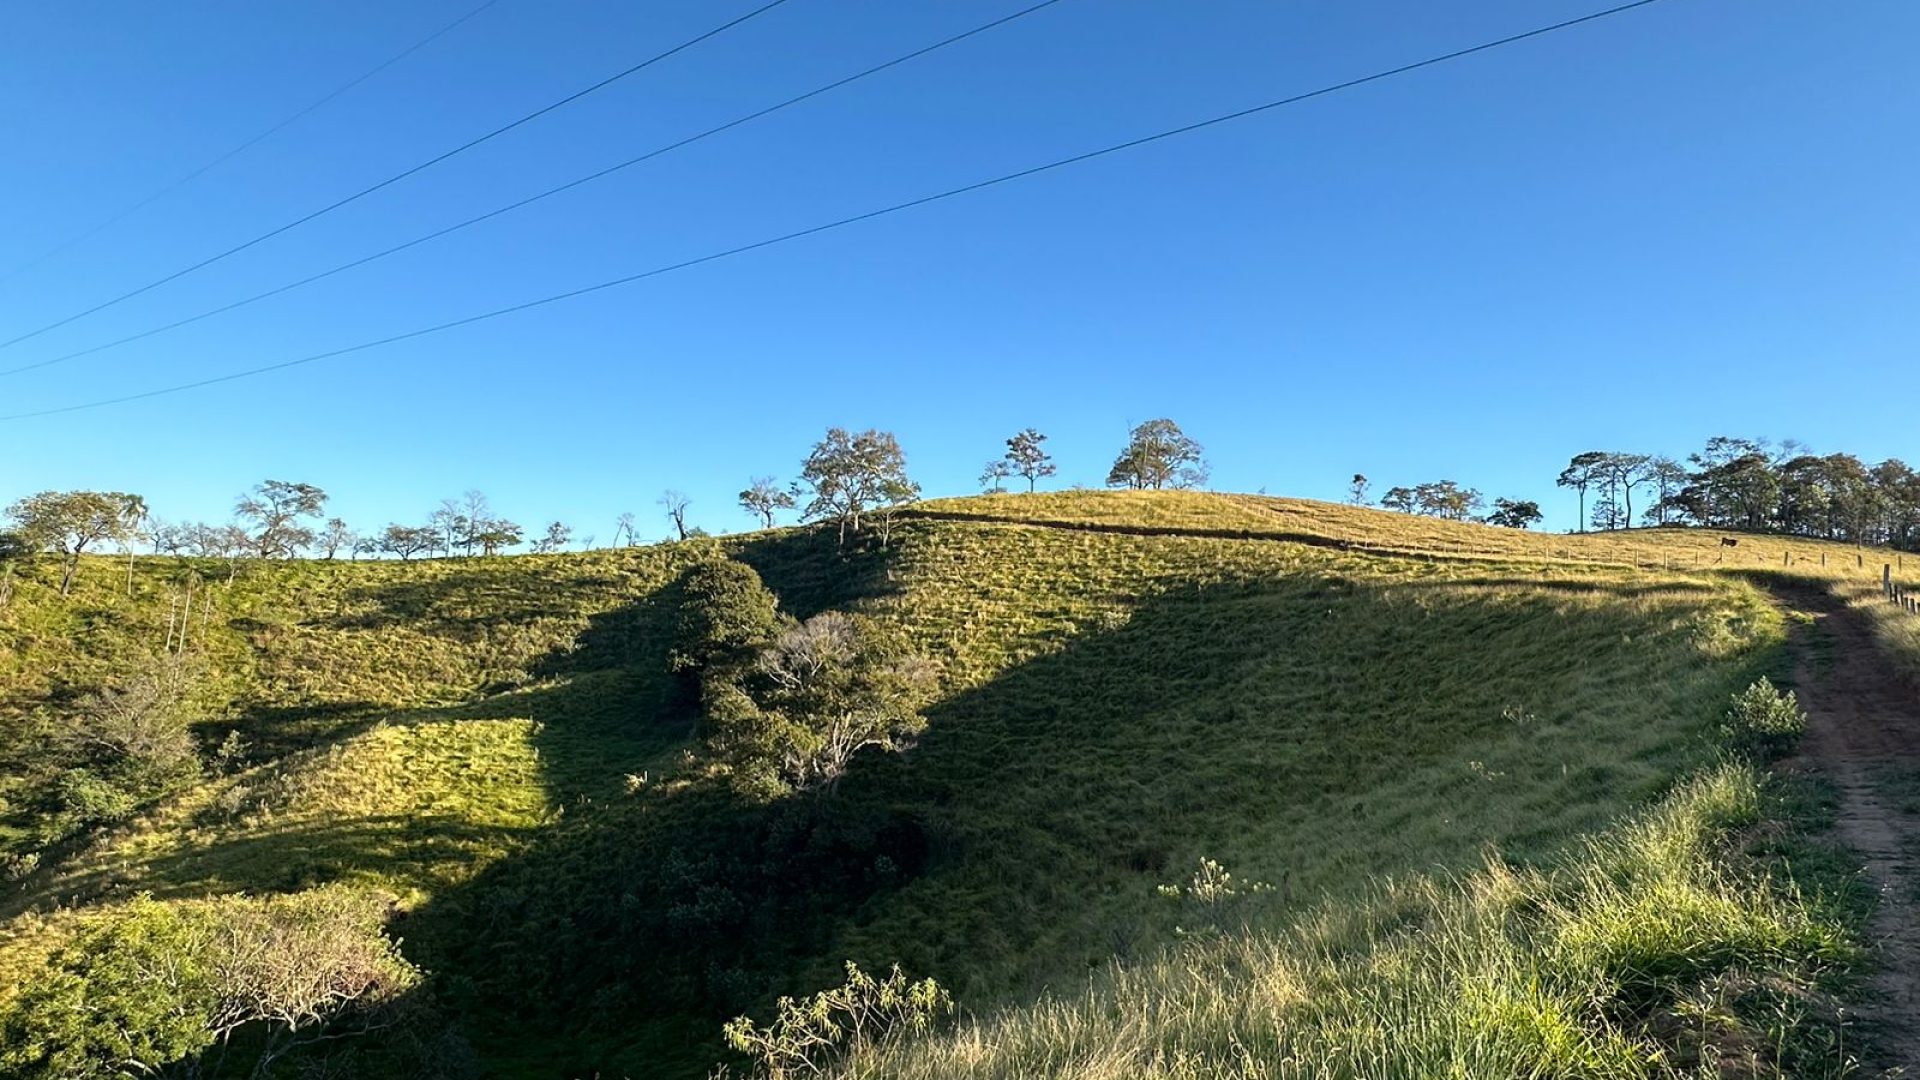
853,475
1158,455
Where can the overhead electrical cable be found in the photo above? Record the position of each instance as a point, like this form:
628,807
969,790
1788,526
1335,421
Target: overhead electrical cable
399,176
924,200
531,199
249,144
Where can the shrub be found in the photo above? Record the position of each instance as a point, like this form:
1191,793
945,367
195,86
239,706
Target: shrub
726,614
156,984
88,799
807,1033
1212,902
1763,721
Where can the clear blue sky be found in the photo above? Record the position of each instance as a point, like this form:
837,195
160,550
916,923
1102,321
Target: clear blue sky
1696,218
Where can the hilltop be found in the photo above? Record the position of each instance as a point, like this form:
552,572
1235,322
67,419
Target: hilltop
1351,706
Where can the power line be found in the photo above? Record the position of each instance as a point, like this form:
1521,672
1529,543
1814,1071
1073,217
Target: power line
979,185
397,177
245,146
531,199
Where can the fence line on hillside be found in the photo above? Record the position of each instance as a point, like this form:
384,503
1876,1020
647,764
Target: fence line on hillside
1904,596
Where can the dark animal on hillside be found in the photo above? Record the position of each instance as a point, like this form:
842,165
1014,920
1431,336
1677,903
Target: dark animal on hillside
1728,541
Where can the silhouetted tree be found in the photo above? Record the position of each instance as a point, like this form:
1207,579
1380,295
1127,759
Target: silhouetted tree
675,503
1027,457
1580,475
555,539
1515,514
763,498
1357,489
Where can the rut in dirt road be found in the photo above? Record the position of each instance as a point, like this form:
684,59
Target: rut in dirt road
1863,735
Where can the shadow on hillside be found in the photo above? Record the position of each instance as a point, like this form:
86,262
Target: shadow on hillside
1021,839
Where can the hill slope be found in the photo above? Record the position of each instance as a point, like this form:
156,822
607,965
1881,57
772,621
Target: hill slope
1315,696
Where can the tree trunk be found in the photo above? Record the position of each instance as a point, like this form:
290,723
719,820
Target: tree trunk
66,575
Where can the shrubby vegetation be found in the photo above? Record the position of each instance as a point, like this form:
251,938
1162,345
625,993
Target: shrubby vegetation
1764,721
807,1035
598,873
787,703
153,986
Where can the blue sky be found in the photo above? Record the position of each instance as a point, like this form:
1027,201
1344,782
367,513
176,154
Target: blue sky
1695,218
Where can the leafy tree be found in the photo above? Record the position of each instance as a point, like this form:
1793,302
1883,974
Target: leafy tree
1440,498
1158,455
335,538
1446,499
763,498
1897,487
1580,475
1027,458
1668,478
675,503
69,522
819,692
276,508
495,535
1357,489
406,541
1622,473
1515,514
786,703
851,476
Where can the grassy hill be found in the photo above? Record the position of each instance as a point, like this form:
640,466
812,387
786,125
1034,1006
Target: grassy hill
1356,707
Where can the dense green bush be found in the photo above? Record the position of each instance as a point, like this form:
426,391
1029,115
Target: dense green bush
788,703
153,984
1764,721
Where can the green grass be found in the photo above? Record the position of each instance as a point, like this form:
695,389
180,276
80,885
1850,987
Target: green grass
1652,950
1115,705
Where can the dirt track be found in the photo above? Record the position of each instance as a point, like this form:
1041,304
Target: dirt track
1863,735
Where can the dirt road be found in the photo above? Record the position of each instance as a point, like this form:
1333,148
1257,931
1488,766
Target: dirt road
1863,735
